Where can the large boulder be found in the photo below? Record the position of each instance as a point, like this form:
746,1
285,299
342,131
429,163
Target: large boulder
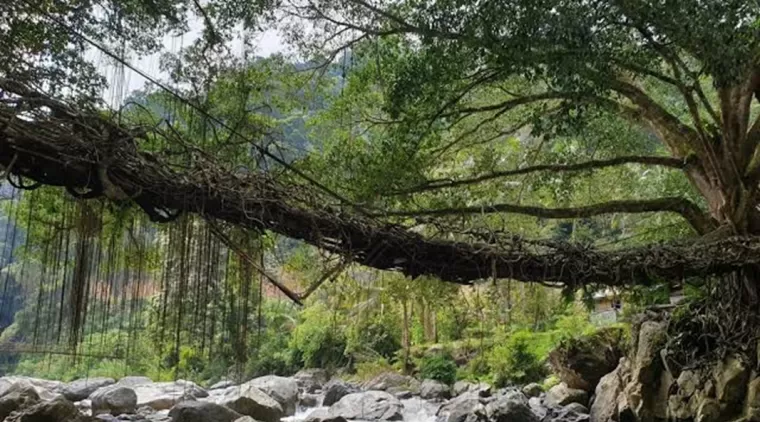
731,378
510,407
561,395
82,388
164,395
221,385
249,401
56,410
47,390
323,415
335,390
114,400
312,379
646,391
392,380
467,407
605,405
196,411
582,362
434,390
284,390
571,413
19,395
132,381
368,406
460,387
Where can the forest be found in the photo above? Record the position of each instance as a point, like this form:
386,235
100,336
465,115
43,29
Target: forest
558,199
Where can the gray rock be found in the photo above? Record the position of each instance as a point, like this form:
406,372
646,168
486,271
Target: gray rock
312,379
335,390
114,400
368,406
573,412
510,407
610,387
56,410
47,390
403,395
133,381
538,408
195,411
434,390
222,385
18,396
532,390
82,388
467,407
561,395
249,401
388,380
284,390
577,408
322,415
164,395
460,387
308,400
731,377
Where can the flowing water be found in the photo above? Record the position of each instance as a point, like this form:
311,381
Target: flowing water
415,410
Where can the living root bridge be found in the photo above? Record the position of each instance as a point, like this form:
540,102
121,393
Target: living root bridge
66,148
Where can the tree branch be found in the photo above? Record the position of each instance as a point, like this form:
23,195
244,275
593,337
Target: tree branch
435,184
685,208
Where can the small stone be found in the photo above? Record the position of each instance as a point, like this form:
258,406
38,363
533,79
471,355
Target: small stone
532,390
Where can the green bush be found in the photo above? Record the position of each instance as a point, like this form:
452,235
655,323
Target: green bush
515,361
440,367
317,343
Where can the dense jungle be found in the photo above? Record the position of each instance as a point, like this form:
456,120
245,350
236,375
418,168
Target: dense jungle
380,210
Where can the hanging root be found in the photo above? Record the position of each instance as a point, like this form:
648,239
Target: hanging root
714,326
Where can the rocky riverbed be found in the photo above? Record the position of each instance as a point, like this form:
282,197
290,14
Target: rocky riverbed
309,396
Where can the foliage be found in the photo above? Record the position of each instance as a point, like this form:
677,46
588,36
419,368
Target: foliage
517,360
439,367
316,343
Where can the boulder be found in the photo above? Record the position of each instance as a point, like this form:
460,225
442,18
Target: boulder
312,379
510,407
308,400
335,390
284,390
610,387
403,395
196,411
467,407
82,388
164,395
222,385
561,395
368,406
731,376
113,400
538,408
573,412
322,415
532,390
434,390
47,390
56,410
461,387
581,362
249,401
389,380
19,395
133,381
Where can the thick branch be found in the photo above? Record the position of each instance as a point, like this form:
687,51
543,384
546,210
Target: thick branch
435,184
687,209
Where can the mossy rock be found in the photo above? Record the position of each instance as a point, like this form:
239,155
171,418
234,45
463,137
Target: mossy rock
581,362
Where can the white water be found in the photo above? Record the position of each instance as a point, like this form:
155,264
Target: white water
415,410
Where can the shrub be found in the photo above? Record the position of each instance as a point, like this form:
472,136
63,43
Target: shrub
439,367
513,362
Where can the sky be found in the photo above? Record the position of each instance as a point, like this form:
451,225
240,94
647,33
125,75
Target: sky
122,81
